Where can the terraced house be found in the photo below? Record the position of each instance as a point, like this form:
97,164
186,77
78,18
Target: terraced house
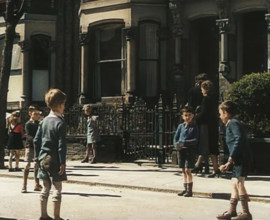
103,50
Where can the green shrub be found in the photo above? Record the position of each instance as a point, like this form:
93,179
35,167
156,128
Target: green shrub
252,94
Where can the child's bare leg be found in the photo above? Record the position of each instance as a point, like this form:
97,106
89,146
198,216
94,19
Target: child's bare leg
189,175
56,198
25,176
243,196
44,198
37,184
184,184
189,192
87,153
11,155
17,158
94,152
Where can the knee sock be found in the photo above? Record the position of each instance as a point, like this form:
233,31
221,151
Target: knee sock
244,202
233,204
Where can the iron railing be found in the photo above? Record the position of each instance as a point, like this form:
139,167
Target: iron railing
146,133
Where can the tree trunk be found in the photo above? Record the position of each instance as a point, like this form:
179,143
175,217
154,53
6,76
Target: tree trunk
4,81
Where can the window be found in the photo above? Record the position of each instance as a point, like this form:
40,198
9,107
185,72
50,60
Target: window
40,66
148,59
109,60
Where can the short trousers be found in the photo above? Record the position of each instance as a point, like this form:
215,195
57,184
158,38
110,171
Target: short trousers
187,157
29,154
240,171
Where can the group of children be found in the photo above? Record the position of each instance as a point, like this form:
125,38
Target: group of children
46,146
186,139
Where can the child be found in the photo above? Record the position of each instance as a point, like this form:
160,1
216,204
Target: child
15,144
186,139
30,131
50,148
92,135
236,140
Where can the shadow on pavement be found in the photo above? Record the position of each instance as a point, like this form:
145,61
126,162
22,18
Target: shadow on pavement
258,178
116,169
88,194
77,174
4,218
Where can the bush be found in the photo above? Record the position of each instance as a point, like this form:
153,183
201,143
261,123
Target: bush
252,94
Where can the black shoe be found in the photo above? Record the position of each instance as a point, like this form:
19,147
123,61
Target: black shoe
18,169
216,173
182,193
85,160
11,170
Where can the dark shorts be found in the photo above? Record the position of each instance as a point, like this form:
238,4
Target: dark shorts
240,171
187,157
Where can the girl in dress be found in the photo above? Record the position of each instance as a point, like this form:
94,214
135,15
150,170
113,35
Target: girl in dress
15,144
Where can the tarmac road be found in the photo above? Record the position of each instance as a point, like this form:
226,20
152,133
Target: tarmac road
83,202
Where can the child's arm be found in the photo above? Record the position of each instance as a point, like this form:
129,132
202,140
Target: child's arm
62,148
37,142
177,136
237,133
22,131
29,138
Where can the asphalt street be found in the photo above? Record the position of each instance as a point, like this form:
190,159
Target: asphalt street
86,202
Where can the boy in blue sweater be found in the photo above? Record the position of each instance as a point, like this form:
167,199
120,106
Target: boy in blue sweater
50,149
236,140
185,140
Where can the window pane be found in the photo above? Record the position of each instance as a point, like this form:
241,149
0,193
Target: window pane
40,47
110,75
110,44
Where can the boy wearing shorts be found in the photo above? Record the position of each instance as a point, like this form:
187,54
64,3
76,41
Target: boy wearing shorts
50,147
237,142
31,128
185,140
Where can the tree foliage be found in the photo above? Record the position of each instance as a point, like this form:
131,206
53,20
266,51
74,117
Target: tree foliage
252,94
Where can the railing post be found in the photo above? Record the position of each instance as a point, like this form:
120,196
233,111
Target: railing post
161,153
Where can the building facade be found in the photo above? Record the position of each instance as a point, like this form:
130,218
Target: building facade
109,49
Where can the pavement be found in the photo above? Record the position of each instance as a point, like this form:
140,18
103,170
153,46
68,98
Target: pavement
147,176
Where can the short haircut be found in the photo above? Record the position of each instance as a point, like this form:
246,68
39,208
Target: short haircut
54,98
230,107
32,108
86,107
188,109
208,86
201,77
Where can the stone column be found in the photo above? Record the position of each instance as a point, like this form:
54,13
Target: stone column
130,34
84,66
224,67
176,8
52,48
25,97
267,18
223,31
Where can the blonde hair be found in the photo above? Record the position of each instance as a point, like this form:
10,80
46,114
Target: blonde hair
230,107
15,116
54,98
87,107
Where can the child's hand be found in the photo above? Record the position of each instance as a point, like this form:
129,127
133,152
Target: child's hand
62,169
179,146
95,117
225,167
